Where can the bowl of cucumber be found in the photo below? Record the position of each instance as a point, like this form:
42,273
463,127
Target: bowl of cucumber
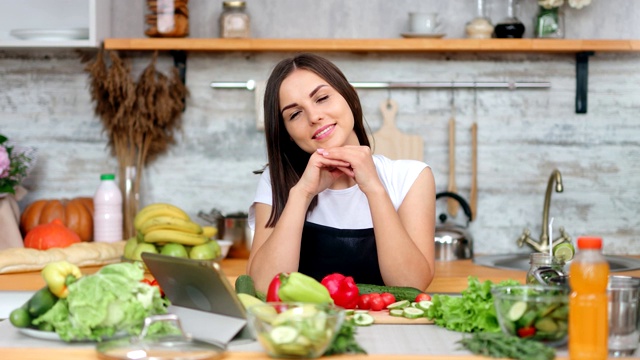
534,312
295,330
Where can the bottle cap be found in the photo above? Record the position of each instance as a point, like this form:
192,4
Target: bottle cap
589,242
107,177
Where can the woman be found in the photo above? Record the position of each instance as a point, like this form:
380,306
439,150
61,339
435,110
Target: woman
325,204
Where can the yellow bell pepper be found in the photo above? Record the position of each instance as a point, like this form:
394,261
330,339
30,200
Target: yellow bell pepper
58,275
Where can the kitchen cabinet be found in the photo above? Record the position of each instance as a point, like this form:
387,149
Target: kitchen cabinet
54,24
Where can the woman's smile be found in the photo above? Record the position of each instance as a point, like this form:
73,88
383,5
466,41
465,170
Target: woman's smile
323,132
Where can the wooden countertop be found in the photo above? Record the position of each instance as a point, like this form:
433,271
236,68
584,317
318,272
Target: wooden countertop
451,276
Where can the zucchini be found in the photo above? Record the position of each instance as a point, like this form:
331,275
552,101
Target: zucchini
244,285
400,292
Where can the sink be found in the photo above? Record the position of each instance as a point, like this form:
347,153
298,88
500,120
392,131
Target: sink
521,262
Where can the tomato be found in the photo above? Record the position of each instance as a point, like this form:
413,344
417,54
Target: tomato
423,297
364,302
377,303
146,281
526,331
387,298
154,282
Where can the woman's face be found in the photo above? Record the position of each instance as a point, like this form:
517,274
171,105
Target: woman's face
315,114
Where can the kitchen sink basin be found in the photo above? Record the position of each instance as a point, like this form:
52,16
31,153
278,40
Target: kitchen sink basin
521,262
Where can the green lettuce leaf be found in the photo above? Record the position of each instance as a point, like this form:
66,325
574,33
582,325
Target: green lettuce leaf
473,311
111,301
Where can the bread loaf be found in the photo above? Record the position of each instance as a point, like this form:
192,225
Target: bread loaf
81,254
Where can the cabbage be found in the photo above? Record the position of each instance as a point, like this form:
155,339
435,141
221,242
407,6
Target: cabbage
113,300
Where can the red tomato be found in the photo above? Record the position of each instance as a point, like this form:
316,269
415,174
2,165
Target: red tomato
377,303
364,302
423,297
387,298
526,331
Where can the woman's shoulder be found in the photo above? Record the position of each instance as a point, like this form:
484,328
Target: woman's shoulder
384,163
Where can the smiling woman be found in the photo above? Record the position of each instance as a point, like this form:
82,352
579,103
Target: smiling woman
325,204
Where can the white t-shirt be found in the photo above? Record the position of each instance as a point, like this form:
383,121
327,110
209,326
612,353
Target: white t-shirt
349,208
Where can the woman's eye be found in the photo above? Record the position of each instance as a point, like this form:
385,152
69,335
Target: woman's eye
323,98
294,115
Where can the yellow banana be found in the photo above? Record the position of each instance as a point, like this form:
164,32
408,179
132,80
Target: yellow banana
174,236
170,222
209,231
158,209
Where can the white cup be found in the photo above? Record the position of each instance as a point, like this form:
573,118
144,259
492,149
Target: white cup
424,23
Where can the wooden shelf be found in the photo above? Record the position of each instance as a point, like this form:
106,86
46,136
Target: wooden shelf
374,45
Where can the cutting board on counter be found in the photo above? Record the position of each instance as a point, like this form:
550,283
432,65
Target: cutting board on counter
383,317
390,141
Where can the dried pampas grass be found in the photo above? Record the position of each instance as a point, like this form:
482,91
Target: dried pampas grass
140,118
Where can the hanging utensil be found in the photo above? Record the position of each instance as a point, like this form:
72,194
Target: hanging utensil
452,204
390,141
473,196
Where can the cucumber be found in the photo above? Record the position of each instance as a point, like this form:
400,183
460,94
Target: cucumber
283,334
396,312
244,285
517,310
399,304
363,319
424,305
400,292
412,313
41,302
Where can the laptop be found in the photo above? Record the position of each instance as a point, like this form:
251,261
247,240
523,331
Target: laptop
201,297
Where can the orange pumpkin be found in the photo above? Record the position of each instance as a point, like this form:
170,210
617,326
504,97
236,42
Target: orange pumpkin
76,214
51,235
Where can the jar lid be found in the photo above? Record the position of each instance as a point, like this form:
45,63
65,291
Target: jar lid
233,4
107,177
166,347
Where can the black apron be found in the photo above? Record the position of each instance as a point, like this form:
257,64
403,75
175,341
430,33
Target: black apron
325,250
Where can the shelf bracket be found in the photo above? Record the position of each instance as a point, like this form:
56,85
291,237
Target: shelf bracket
582,80
180,63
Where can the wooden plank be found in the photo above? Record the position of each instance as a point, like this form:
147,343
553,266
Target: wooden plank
380,45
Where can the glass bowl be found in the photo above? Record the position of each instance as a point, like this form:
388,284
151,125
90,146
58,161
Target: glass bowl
295,330
534,312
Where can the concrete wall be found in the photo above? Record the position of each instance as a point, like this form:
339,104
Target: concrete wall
523,134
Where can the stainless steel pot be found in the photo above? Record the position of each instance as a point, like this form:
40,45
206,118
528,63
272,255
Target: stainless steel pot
453,241
233,227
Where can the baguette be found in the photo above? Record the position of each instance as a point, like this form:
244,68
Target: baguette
81,254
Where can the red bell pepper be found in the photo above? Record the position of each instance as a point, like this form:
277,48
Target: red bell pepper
343,290
274,286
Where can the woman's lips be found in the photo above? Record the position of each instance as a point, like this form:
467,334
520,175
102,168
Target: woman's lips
323,132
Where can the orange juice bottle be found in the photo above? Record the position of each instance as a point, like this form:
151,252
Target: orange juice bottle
588,302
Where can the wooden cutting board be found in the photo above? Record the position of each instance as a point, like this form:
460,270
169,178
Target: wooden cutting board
383,317
390,141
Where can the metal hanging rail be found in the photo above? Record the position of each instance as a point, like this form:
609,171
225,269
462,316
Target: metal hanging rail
511,85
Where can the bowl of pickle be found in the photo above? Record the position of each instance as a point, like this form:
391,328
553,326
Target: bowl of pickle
535,312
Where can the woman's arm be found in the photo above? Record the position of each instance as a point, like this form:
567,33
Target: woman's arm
405,239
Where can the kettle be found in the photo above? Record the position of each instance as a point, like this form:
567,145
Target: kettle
453,242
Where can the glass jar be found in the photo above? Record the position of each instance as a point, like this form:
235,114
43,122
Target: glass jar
480,27
543,267
167,18
549,23
510,27
234,21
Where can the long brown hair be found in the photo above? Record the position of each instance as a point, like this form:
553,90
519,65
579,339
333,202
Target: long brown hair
287,160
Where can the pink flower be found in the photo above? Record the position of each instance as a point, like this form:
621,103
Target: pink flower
5,162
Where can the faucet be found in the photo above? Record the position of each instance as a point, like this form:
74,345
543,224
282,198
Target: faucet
545,242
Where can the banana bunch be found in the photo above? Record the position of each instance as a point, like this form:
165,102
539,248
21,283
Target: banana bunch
167,229
165,223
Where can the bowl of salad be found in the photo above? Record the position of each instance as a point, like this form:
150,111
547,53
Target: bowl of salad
534,312
295,330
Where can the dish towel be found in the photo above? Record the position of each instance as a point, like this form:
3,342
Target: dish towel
10,236
259,103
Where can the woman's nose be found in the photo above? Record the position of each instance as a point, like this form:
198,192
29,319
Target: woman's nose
315,116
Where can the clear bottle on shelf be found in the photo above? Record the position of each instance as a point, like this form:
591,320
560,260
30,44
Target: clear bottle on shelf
588,302
234,21
107,215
